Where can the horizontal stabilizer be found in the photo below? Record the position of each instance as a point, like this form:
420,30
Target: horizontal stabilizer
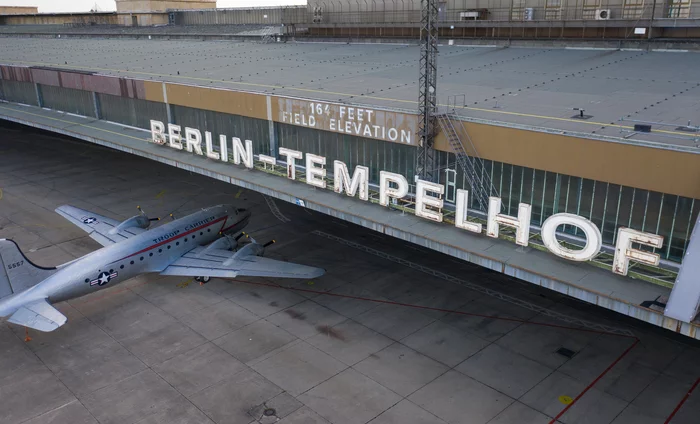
100,228
38,315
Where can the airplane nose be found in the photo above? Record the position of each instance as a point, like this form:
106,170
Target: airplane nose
242,213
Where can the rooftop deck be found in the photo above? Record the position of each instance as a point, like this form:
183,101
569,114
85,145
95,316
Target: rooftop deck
530,87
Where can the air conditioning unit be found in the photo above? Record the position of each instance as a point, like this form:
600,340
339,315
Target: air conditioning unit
318,14
602,14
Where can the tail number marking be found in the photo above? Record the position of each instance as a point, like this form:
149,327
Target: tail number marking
15,265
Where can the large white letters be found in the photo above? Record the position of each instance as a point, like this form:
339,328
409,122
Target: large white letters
423,200
174,136
360,180
291,155
193,140
241,154
429,202
315,175
593,238
461,213
267,160
211,154
223,146
386,191
157,129
624,251
521,223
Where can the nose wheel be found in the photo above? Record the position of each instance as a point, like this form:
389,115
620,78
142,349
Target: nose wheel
202,280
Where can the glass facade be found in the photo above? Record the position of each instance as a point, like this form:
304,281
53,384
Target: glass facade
374,154
608,205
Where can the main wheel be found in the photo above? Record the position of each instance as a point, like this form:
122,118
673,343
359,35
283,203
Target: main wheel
202,280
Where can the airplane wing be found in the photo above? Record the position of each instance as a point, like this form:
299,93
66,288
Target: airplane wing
97,226
220,263
38,315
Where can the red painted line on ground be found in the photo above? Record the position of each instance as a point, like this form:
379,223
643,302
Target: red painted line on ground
409,305
430,308
590,386
680,404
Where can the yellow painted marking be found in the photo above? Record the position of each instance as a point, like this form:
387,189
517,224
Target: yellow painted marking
184,284
0,194
311,90
566,400
311,283
161,194
238,194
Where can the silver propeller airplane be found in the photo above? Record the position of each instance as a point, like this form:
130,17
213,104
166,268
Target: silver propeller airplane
200,245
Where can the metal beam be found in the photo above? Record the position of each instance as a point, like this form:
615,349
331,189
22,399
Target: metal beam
427,97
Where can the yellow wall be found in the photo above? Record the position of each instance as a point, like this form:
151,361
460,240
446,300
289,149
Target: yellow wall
143,19
109,18
665,171
12,10
162,5
61,18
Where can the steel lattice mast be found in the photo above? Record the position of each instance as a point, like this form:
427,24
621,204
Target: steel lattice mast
427,98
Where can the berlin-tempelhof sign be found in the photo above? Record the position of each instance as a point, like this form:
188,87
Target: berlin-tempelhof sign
428,197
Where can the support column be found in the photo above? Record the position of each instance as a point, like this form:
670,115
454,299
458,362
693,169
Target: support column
167,105
39,98
684,301
96,106
271,129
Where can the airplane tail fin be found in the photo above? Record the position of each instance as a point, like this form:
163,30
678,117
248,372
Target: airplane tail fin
18,273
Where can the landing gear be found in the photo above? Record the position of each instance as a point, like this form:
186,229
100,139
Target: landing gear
202,280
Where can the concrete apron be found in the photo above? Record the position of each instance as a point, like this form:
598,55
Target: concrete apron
581,281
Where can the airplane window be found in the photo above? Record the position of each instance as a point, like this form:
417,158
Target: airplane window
193,237
87,280
185,238
132,262
177,244
111,271
160,250
141,258
121,266
168,246
150,254
208,230
201,233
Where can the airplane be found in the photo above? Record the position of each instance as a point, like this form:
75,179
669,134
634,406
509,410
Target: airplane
201,245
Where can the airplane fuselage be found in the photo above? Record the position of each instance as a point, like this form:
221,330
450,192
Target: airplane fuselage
150,251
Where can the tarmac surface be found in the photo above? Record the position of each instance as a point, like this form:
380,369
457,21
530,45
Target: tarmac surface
531,87
372,341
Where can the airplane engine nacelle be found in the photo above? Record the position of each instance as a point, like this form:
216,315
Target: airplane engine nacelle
224,243
140,221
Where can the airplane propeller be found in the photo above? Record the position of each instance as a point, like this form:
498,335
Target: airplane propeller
144,214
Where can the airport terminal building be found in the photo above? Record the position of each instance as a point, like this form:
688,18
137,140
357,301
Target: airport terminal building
607,135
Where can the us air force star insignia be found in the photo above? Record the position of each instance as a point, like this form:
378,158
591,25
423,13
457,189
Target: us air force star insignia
89,220
103,278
